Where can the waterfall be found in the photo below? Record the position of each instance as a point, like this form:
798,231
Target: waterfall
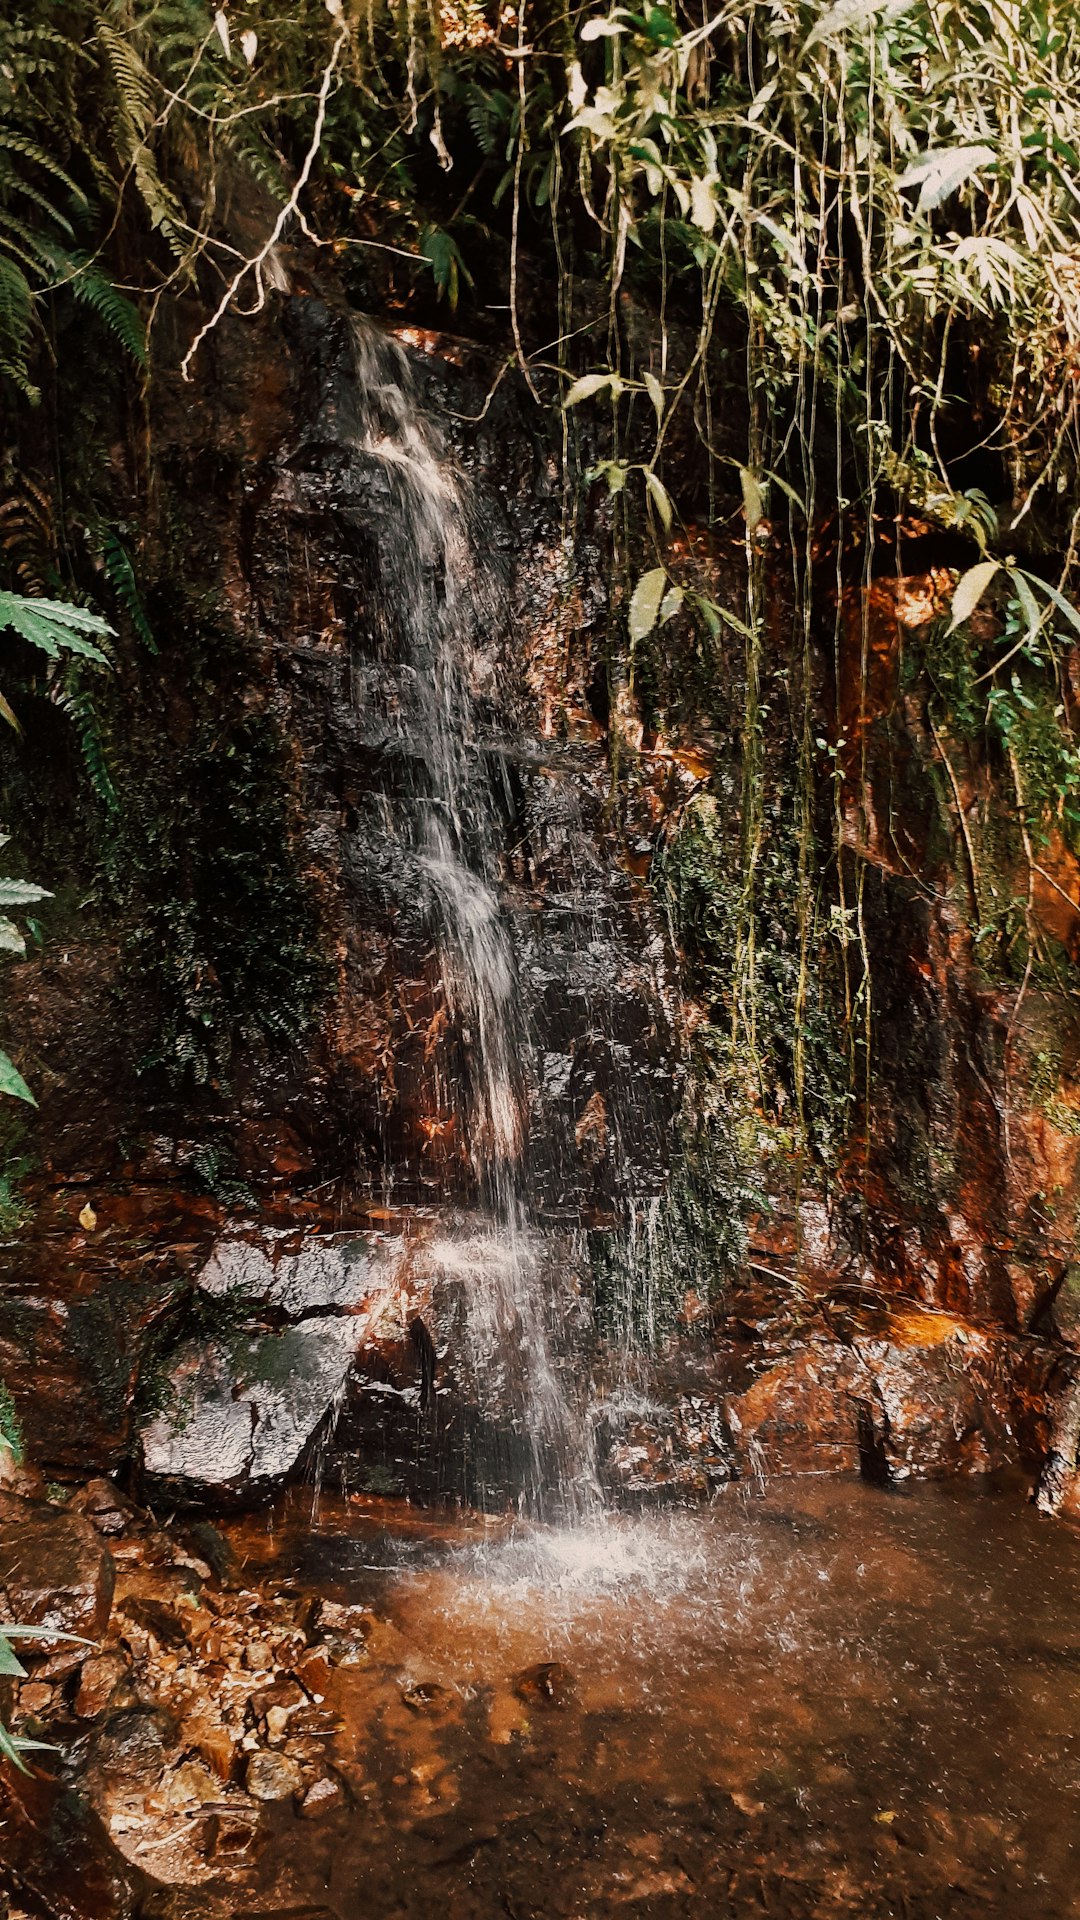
448,837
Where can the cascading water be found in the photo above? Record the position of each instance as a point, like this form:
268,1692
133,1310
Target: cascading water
449,837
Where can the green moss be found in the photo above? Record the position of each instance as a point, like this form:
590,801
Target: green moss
11,1435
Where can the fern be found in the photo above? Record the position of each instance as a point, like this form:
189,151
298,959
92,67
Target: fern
55,626
77,702
95,290
121,577
17,142
16,326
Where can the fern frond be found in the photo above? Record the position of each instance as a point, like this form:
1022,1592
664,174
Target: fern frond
15,184
24,241
120,574
28,533
16,327
96,291
17,142
134,86
55,626
77,702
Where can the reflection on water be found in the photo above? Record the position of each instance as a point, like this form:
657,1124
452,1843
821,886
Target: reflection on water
827,1701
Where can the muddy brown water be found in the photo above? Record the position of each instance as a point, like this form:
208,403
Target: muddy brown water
821,1700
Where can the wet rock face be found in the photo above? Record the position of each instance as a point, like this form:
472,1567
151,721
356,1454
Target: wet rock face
300,536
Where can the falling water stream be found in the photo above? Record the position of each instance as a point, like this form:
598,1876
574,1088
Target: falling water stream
445,596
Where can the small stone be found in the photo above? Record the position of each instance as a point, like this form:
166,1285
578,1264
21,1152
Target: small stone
323,1796
190,1786
427,1697
272,1776
35,1697
210,1739
313,1673
285,1694
101,1676
277,1719
548,1684
258,1656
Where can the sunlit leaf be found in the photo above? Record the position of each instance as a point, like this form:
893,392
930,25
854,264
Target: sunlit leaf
20,893
969,591
656,394
845,14
645,602
753,498
54,626
589,384
942,170
660,497
703,206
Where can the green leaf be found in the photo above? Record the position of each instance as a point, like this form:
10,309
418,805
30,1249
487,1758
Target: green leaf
656,394
591,383
613,472
1029,606
660,497
969,591
54,626
9,1665
1061,604
11,940
645,602
12,1082
673,600
19,893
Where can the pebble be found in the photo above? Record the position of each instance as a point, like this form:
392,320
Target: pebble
272,1776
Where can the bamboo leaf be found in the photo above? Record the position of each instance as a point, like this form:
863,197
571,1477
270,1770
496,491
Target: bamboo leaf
589,384
645,602
845,14
969,591
1062,604
660,497
753,498
939,172
1029,606
656,394
9,1665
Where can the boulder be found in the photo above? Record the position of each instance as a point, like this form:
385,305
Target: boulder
55,1570
239,1411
